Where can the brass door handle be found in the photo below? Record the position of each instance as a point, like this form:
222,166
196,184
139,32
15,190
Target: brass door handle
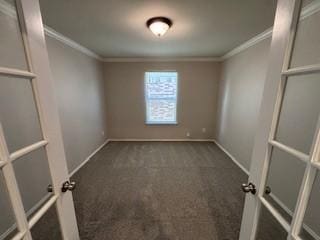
68,186
249,188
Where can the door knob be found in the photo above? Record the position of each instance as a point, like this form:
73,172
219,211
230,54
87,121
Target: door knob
68,186
249,188
50,188
267,190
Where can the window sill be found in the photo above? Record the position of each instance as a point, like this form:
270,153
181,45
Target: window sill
161,124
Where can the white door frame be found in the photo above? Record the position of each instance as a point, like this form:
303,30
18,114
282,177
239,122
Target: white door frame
39,73
286,20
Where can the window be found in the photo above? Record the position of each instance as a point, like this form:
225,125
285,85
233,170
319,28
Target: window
161,97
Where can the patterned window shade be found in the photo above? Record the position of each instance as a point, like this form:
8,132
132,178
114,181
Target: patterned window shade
161,90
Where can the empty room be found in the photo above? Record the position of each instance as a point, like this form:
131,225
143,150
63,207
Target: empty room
159,120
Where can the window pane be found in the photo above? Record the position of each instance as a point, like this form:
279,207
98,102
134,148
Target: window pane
18,113
269,228
7,220
300,112
161,97
33,177
306,50
285,185
311,227
48,226
12,52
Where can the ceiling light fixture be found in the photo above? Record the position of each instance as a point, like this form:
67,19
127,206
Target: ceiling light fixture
159,25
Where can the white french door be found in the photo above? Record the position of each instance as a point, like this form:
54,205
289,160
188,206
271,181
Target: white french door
32,160
283,193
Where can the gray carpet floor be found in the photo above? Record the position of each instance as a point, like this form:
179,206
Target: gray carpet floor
159,190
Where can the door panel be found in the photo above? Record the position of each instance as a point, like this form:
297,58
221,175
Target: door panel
33,177
287,146
31,149
11,43
307,2
284,179
18,113
307,43
311,226
52,230
268,227
299,112
7,219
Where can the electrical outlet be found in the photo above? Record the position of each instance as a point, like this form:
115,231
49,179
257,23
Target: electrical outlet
204,130
102,133
188,134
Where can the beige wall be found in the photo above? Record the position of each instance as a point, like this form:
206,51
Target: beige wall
81,98
240,93
196,108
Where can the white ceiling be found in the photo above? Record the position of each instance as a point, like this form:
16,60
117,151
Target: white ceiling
201,28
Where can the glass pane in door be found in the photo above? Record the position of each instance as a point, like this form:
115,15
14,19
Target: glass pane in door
284,179
269,228
12,54
8,227
311,223
18,113
33,177
47,227
306,49
300,112
305,3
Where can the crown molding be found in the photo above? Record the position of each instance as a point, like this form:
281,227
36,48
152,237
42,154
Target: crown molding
7,9
157,59
310,9
253,41
10,11
69,42
307,11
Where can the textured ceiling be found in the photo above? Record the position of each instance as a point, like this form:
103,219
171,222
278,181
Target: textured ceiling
201,28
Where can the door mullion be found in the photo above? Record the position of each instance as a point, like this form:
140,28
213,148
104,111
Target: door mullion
266,163
310,171
16,73
277,108
267,122
292,35
300,155
304,195
29,12
28,149
13,190
302,70
306,187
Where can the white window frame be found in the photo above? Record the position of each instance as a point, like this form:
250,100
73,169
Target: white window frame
146,101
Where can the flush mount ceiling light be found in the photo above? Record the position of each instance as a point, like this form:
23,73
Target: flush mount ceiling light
159,25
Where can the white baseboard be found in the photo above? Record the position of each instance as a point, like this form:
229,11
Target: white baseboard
246,171
88,158
158,140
